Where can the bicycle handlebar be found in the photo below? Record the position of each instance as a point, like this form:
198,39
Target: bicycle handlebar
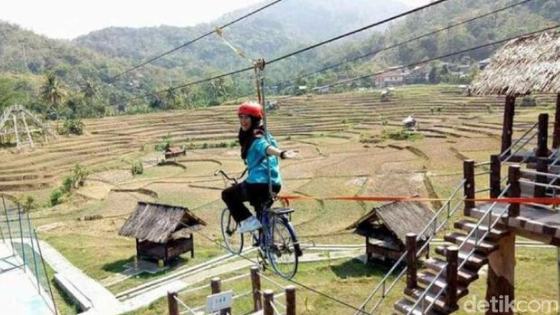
226,176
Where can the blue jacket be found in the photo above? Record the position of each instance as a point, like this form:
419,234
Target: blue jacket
257,162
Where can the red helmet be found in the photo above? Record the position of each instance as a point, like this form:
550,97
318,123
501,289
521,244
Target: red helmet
250,109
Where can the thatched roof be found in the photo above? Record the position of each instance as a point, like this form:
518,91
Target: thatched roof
400,217
524,65
159,222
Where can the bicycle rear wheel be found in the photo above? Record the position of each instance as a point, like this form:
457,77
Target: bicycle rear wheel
282,253
232,238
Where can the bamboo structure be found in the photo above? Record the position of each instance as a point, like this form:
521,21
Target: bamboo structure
20,124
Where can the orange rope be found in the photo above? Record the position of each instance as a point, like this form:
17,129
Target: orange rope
516,200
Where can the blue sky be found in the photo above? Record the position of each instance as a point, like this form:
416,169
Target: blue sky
71,18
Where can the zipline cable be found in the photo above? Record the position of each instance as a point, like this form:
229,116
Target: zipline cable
112,79
299,51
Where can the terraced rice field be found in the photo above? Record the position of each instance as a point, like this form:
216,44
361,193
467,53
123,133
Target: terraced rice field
442,113
326,129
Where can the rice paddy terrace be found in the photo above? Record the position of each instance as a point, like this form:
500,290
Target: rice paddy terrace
442,112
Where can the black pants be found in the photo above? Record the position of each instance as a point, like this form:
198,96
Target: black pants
257,195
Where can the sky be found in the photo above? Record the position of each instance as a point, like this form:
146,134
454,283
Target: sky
67,19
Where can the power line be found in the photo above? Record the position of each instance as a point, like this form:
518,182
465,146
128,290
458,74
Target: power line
440,57
415,38
299,51
405,42
431,4
111,80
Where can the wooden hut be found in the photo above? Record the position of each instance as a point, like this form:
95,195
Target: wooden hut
523,66
162,231
385,228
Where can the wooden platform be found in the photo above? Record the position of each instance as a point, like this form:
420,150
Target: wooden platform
538,222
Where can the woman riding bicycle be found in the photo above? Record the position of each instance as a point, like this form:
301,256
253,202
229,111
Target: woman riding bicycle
257,150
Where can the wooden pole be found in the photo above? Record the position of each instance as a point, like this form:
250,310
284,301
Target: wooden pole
172,303
507,131
256,284
542,167
452,254
216,285
27,129
16,130
468,175
500,289
514,173
542,150
556,135
495,176
290,300
411,274
268,300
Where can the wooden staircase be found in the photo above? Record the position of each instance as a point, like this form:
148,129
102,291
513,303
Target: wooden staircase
426,279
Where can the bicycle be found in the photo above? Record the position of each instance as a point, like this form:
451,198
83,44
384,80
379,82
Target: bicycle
276,240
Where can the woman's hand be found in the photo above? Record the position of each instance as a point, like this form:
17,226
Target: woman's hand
289,154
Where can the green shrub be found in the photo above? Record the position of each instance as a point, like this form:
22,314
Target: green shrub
401,135
71,127
56,197
27,203
67,184
137,168
79,174
164,144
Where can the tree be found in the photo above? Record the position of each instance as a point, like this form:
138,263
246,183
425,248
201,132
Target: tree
171,97
433,76
52,91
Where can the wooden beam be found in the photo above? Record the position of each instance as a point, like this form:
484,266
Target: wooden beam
495,176
16,131
172,303
514,173
290,300
542,167
268,300
507,131
411,273
500,288
468,175
27,129
452,254
556,134
542,142
256,284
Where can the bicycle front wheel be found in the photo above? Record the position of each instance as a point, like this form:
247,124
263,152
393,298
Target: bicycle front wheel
282,252
232,238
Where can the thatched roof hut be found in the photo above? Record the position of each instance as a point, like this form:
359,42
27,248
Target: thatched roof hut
524,65
385,227
160,223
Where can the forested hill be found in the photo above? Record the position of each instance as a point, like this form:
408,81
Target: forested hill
82,68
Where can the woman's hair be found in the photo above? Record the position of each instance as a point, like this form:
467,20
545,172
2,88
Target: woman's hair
246,137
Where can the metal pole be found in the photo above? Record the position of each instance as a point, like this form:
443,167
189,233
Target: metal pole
259,68
8,224
21,238
45,271
33,253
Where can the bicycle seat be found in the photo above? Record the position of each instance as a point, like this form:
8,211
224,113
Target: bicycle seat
280,211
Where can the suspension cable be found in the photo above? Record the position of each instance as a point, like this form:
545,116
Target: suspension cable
216,30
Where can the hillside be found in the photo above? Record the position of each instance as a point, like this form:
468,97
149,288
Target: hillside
91,60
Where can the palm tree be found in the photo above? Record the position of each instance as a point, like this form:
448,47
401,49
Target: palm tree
52,91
